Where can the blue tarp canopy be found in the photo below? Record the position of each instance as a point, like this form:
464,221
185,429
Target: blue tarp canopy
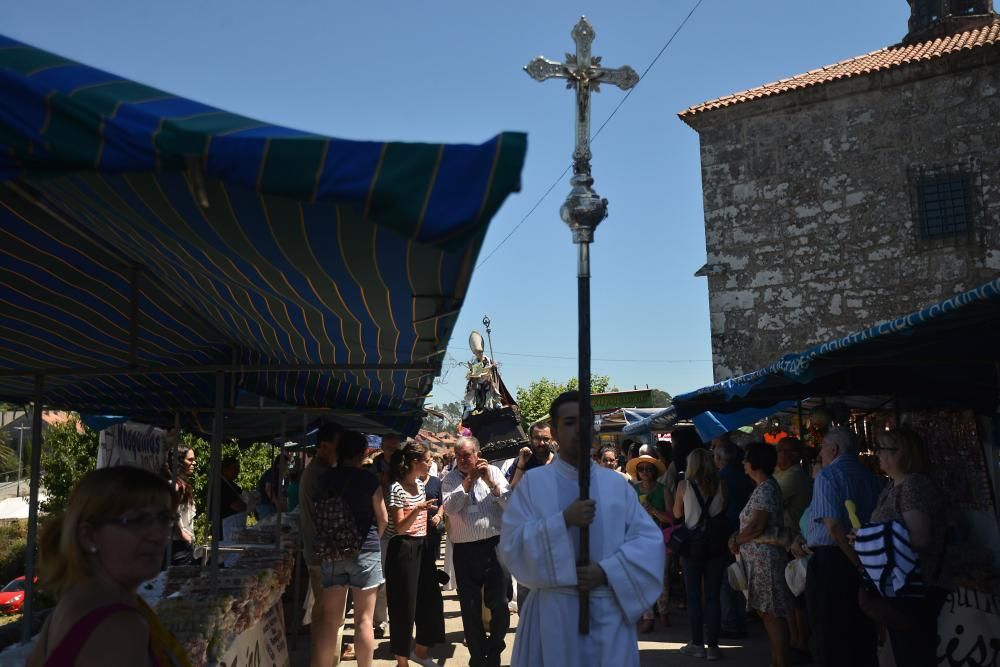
708,424
149,241
945,354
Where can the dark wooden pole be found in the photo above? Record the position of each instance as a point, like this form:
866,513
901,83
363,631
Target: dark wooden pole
586,420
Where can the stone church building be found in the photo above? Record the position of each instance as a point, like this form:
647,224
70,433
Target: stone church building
853,193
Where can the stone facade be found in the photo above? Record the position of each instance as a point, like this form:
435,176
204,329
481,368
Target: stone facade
810,203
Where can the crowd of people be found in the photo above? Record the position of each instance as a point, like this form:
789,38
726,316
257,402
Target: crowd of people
764,529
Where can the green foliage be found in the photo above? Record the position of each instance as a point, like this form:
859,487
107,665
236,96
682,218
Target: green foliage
452,417
67,455
13,544
534,401
661,399
254,462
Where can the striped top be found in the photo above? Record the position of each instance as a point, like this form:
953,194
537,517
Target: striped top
475,515
399,498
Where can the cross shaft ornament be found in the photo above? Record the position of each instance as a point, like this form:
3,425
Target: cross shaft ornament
583,209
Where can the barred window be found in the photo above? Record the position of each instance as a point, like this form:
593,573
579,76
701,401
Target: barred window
944,206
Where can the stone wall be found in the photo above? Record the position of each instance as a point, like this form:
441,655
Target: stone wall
810,205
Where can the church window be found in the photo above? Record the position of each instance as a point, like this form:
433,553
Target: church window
926,12
944,205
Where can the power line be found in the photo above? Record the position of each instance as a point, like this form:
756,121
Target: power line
593,136
642,361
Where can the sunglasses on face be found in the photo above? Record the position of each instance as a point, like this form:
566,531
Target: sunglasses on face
646,469
144,520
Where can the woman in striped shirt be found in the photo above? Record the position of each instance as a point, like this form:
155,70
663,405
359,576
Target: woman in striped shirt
412,590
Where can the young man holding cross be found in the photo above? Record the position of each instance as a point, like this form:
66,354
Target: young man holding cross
540,543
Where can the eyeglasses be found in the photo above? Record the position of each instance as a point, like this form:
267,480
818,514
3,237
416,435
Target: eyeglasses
646,468
144,520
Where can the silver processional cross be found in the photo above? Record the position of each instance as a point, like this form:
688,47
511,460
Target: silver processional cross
583,210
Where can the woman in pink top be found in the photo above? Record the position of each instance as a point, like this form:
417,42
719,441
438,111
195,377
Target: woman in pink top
111,538
412,593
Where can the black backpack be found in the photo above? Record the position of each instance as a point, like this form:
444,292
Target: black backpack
337,534
705,541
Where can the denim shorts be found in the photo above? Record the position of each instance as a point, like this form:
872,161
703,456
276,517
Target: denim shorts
364,571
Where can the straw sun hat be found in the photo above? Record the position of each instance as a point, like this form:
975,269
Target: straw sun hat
631,466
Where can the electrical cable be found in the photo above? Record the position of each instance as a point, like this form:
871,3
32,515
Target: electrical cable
593,136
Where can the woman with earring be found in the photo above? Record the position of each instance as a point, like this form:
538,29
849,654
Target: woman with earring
110,539
413,594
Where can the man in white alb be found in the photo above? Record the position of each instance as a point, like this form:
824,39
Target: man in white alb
539,543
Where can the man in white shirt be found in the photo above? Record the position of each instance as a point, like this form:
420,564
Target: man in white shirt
540,545
474,496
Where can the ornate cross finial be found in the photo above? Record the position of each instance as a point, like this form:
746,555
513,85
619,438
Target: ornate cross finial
583,209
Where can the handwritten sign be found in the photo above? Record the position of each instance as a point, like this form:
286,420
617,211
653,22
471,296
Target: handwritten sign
969,630
133,444
263,645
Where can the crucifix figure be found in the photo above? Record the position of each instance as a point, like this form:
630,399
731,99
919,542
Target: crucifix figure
583,210
584,73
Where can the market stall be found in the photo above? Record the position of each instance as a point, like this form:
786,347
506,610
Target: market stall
937,371
182,258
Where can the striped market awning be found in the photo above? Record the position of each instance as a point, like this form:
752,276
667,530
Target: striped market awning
148,241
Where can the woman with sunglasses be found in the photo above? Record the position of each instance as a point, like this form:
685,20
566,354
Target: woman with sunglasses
645,471
914,500
110,539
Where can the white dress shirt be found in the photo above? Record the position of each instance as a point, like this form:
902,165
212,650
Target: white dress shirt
475,515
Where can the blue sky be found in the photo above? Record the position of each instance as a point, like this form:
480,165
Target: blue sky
451,71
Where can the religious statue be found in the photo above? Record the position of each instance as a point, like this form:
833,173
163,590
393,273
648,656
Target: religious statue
482,390
489,411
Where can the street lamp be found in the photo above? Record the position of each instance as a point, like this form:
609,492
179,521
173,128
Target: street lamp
20,460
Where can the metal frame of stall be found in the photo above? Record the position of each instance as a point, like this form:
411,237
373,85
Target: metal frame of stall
215,458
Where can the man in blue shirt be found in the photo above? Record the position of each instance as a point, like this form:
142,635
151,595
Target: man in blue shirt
844,635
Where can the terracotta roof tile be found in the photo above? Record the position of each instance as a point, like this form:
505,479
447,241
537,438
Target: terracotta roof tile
883,59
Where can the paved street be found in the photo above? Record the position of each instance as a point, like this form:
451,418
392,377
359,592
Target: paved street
655,649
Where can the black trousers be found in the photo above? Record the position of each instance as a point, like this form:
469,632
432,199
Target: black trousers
916,646
412,594
480,578
844,635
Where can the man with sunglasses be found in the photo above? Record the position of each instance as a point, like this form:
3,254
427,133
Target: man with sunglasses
539,454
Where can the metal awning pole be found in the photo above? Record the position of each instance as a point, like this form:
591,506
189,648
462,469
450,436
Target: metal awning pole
279,479
36,470
215,478
172,462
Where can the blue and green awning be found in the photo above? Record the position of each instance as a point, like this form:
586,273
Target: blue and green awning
142,233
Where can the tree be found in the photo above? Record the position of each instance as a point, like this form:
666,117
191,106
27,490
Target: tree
67,455
534,401
452,417
661,399
254,462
